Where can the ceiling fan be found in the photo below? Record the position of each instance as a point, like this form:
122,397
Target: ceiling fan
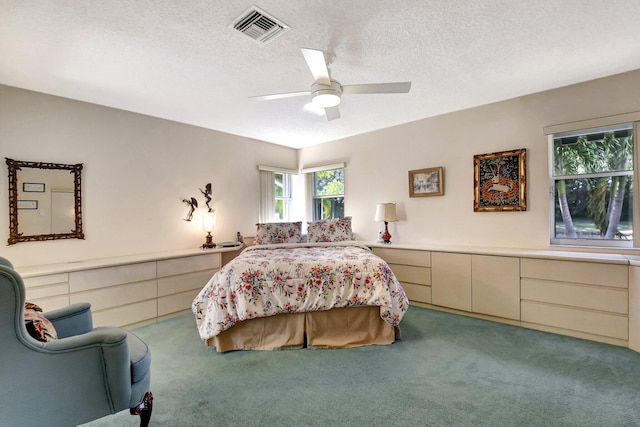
326,92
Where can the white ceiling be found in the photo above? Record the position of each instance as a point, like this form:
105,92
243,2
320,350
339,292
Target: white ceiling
182,60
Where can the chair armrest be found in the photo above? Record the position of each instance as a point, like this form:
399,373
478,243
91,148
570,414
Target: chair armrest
106,347
106,336
75,319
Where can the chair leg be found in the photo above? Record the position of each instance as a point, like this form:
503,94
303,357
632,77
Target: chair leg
144,409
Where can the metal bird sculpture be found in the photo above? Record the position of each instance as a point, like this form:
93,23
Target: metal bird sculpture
193,204
207,194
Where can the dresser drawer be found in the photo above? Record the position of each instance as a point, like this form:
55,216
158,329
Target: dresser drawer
49,292
50,303
177,302
184,282
575,319
404,256
413,274
575,272
418,293
102,277
189,264
126,315
48,280
613,300
114,296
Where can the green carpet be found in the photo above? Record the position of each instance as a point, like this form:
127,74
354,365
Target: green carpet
448,370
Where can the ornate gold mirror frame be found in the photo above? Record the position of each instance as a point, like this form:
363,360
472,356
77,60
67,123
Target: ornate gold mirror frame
15,205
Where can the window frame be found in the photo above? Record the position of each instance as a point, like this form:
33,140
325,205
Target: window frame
586,128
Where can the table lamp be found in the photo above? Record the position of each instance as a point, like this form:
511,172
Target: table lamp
208,224
386,212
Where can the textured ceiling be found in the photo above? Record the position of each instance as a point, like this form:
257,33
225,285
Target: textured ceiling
183,61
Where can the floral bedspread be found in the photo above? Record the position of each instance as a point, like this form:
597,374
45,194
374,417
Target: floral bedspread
273,279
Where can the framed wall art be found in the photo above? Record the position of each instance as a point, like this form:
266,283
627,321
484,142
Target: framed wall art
28,204
499,181
33,187
426,182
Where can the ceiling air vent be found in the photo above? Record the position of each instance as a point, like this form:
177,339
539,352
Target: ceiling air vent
259,25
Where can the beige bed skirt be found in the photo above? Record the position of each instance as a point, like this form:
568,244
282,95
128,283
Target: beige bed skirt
335,328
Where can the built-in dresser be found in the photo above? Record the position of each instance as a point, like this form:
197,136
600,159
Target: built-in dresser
127,291
594,296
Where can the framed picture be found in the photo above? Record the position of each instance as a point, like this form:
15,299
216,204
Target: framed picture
27,204
33,187
499,181
426,182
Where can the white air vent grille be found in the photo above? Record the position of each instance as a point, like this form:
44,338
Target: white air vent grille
259,25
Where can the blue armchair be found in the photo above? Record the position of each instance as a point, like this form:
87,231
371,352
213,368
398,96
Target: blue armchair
84,374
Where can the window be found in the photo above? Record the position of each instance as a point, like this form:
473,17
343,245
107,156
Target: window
276,194
282,202
592,187
328,194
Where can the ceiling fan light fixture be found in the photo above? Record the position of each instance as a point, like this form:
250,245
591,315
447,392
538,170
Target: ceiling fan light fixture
326,96
326,100
326,93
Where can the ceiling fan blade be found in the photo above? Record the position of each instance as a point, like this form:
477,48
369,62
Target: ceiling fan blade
332,113
317,64
280,95
398,87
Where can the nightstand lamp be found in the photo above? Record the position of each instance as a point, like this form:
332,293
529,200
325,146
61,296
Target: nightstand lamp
208,224
386,212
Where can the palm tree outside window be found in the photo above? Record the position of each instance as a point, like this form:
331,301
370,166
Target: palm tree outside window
592,187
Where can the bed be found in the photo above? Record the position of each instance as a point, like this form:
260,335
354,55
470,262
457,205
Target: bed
336,294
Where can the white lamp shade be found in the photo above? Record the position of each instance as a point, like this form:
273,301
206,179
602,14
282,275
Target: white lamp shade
386,212
209,221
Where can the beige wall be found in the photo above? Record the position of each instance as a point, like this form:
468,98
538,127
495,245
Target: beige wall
136,170
378,164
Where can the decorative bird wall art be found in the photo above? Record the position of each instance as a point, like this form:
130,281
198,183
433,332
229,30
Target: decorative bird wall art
192,202
207,194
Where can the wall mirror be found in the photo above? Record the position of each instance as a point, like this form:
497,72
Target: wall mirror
45,201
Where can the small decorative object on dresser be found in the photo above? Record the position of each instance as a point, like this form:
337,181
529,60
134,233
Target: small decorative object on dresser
499,181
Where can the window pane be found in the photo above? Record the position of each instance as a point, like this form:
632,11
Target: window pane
280,184
281,211
594,152
328,183
328,194
328,207
594,208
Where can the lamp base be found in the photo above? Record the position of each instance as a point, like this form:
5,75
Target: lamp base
386,236
208,244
